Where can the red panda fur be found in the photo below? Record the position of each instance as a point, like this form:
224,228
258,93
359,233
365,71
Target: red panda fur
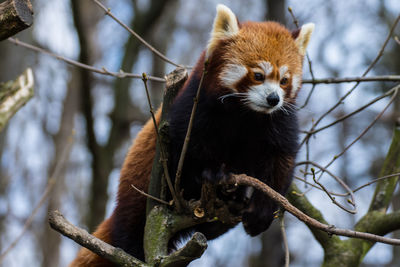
244,123
131,204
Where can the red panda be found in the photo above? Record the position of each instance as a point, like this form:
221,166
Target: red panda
245,123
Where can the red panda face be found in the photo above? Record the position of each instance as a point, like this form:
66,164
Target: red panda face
259,62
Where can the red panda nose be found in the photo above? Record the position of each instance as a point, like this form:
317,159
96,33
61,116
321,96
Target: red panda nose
273,99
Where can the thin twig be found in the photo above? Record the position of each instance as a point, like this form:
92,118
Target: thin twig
366,129
391,91
285,241
382,78
150,196
354,190
162,151
397,40
380,53
188,132
50,185
376,180
296,22
126,27
243,179
324,169
103,71
352,201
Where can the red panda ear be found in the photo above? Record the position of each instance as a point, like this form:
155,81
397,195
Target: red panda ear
225,26
302,37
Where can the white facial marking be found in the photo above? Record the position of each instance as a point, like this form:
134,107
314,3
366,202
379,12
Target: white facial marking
266,67
257,97
296,84
231,74
282,71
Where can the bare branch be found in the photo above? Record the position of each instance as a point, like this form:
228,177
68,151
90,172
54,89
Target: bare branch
150,196
243,179
337,179
353,190
365,130
383,78
380,53
15,16
390,92
157,187
296,22
192,250
151,48
82,237
188,132
162,151
103,70
285,241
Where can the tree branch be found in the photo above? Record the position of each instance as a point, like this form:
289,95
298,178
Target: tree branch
15,16
162,147
15,94
151,48
121,74
187,136
383,78
384,189
175,81
193,249
82,237
243,179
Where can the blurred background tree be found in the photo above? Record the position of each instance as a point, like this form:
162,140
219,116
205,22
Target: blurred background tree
106,113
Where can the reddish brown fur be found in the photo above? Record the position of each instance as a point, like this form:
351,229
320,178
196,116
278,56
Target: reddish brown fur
254,42
265,40
135,170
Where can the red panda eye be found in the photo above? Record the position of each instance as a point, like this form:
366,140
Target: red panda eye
284,81
258,76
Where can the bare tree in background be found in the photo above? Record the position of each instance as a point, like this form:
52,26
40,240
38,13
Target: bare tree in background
124,112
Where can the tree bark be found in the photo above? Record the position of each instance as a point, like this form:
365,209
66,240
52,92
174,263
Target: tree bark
15,94
15,16
351,252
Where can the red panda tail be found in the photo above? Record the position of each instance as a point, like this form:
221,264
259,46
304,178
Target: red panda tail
125,228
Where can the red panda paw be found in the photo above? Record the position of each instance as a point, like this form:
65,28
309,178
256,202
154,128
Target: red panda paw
236,197
259,214
219,178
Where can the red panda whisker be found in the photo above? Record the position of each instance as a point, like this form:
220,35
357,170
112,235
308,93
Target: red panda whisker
284,110
290,106
222,98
